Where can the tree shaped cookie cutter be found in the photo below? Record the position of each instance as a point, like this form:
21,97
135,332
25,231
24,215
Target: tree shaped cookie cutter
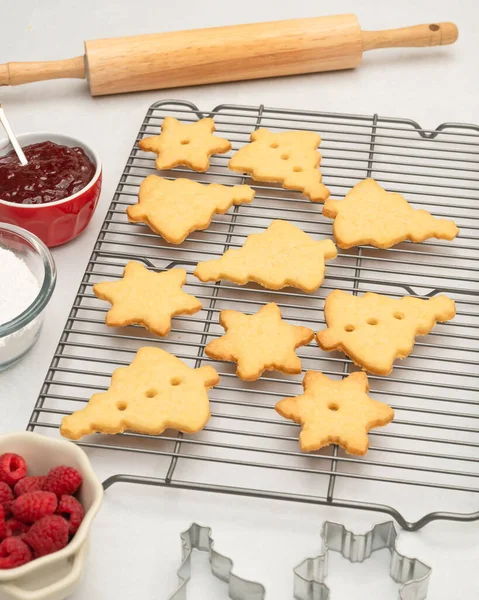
198,537
310,575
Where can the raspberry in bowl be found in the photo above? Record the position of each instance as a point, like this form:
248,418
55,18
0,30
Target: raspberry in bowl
47,515
55,195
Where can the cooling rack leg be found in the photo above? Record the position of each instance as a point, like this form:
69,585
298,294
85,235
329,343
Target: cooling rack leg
406,525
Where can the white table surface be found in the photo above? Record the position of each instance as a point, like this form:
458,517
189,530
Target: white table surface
135,546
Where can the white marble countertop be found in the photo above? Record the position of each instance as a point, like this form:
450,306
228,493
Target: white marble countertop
135,546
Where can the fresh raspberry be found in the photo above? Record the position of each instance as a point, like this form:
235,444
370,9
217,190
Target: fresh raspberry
13,553
6,496
63,481
72,511
29,484
3,526
47,535
7,508
12,468
15,528
34,505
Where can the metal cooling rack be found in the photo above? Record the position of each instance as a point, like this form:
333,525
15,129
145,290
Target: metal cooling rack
425,463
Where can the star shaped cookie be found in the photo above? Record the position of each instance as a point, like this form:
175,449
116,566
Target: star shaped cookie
259,342
189,144
146,298
370,215
156,392
374,330
280,256
290,158
335,412
174,209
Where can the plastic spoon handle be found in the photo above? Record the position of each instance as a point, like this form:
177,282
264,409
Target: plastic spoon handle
11,136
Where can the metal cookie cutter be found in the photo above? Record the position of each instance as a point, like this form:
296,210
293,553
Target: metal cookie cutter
309,576
198,537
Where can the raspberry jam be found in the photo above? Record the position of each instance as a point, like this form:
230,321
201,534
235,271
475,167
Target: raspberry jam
53,173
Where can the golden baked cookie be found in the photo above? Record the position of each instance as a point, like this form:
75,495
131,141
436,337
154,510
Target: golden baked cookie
174,209
335,412
156,392
189,144
290,158
259,342
143,297
280,256
370,215
374,330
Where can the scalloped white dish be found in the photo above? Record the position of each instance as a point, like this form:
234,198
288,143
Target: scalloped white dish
55,576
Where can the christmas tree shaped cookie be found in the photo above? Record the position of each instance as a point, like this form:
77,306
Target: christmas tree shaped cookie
290,158
370,215
335,412
259,342
374,330
143,297
280,256
189,144
174,209
156,392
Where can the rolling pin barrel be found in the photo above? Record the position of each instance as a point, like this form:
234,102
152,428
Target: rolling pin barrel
234,53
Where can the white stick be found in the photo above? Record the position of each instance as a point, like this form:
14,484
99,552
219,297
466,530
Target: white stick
12,138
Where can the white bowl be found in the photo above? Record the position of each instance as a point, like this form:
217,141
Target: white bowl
55,576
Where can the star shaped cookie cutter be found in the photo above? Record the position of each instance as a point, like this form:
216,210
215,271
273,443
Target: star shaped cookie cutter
198,537
310,575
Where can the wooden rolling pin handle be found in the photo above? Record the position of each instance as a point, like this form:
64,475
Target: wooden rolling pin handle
16,73
435,34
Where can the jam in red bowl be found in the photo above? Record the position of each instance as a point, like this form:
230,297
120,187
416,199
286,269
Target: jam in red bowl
56,194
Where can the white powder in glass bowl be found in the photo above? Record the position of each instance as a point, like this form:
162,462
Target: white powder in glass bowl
18,289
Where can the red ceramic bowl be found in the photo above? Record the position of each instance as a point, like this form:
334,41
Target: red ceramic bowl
58,222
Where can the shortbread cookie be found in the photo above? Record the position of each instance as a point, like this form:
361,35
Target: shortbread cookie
335,412
374,330
259,342
156,392
146,298
290,158
189,144
370,215
174,209
280,256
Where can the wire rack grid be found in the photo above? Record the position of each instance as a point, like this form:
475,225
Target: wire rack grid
426,462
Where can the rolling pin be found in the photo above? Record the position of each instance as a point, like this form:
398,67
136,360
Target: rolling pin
233,53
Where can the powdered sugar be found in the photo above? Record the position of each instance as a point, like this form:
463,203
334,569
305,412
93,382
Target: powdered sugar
18,289
18,286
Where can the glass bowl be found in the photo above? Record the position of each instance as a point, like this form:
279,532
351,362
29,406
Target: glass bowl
18,335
